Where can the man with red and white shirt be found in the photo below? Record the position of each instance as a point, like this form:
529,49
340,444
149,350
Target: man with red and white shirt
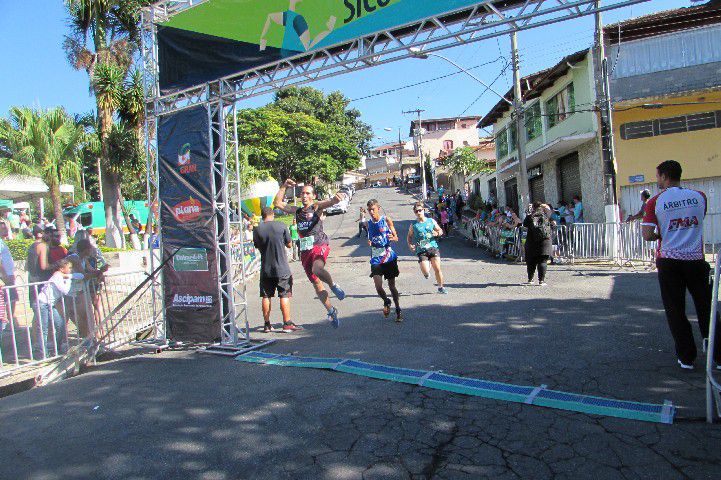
675,218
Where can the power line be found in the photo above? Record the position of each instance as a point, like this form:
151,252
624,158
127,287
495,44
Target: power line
403,87
503,71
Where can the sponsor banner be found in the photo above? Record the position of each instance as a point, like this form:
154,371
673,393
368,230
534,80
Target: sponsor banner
220,37
190,282
191,260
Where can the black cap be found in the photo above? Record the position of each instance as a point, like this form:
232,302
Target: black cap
37,230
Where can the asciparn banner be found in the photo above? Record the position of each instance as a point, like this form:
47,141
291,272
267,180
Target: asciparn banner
190,281
221,37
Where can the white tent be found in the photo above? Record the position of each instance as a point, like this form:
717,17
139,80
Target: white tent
22,187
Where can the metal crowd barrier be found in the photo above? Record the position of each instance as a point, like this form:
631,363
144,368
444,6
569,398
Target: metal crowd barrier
35,333
713,384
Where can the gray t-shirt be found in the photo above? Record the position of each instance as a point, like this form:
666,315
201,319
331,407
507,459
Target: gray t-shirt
271,239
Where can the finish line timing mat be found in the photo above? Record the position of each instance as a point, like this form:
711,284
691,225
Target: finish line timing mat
538,396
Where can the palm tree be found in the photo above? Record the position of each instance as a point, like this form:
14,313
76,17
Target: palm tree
45,144
104,37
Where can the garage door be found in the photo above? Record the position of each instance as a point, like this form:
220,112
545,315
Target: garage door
570,176
535,185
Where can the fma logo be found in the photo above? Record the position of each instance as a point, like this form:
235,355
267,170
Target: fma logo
184,160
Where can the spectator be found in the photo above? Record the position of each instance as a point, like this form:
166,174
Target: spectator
50,319
295,238
72,226
135,224
6,231
565,213
96,261
675,217
362,222
492,199
272,238
24,220
444,221
14,220
577,209
538,248
508,223
645,196
56,251
154,239
37,264
81,261
7,274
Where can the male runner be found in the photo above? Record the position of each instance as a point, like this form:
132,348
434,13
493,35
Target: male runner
384,261
297,34
421,240
314,243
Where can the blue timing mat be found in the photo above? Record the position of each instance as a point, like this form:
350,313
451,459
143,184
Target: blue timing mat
539,396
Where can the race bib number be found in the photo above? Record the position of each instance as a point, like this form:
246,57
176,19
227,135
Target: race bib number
378,251
306,243
424,244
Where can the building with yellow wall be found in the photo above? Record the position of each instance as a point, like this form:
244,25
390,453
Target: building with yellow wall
666,93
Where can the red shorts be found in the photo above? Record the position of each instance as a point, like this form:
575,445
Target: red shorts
307,258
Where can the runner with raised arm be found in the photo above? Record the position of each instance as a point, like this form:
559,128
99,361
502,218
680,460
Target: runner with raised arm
314,243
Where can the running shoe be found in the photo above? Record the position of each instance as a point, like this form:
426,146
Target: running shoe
399,316
443,291
386,309
685,366
291,327
542,284
333,318
268,328
339,293
528,283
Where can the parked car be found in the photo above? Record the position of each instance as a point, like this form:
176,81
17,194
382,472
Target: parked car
341,207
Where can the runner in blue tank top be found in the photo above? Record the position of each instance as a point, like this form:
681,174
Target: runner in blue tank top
384,261
422,240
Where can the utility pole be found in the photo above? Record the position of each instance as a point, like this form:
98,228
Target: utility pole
603,97
419,134
520,129
100,180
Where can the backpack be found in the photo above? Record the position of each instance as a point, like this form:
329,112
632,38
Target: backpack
541,229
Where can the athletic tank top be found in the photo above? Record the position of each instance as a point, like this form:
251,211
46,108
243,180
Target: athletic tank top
378,233
295,25
310,225
35,274
423,235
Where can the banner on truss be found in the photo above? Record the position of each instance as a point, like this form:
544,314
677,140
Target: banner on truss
190,281
218,38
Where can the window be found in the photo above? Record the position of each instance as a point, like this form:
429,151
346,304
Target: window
671,125
447,145
534,126
445,126
512,136
463,125
86,219
502,143
561,106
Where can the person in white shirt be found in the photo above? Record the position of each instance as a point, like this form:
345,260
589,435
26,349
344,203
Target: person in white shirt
675,218
50,319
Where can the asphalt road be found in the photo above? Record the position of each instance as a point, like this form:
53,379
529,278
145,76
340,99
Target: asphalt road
593,330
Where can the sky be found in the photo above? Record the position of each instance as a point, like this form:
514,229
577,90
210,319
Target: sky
36,72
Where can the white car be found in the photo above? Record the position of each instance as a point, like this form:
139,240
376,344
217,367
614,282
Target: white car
341,207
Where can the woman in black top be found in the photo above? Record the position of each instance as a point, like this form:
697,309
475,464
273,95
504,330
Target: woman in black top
539,247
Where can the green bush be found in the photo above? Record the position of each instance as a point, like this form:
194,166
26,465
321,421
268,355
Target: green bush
476,202
19,248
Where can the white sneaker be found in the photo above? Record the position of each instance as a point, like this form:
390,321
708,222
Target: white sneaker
542,284
528,283
685,366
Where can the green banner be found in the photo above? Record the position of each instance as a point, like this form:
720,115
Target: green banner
191,260
306,25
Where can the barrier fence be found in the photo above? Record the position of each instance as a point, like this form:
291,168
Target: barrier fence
35,331
713,384
620,243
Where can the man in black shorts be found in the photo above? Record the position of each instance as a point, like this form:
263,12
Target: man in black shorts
421,239
272,239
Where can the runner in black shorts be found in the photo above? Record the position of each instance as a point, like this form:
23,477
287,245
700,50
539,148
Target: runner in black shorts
422,240
384,261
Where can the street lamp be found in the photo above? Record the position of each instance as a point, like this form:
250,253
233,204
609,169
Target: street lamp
517,104
422,55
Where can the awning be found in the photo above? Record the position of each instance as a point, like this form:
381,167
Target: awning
23,187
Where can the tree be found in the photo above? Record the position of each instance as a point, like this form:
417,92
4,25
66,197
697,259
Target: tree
331,110
295,145
464,161
44,144
103,40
